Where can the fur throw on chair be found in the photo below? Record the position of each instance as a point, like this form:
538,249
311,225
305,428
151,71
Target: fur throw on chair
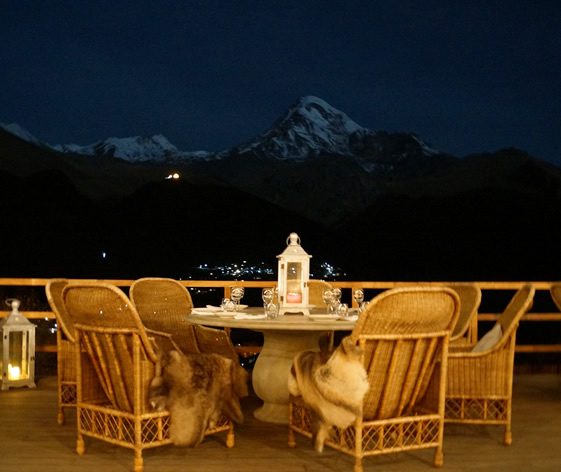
197,389
331,385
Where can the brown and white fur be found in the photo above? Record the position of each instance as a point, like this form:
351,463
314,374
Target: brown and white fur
197,389
331,385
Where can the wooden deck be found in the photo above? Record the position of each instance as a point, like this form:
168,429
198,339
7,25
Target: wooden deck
31,441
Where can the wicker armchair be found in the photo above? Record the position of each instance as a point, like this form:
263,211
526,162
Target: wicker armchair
479,385
65,338
163,305
117,357
404,336
465,331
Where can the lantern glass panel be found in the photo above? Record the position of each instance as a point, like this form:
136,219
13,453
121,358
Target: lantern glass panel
18,367
294,282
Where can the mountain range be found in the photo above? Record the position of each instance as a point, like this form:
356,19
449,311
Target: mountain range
397,206
310,128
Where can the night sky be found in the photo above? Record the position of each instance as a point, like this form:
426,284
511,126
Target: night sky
466,76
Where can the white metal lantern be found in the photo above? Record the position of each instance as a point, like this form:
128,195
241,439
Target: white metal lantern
18,349
294,273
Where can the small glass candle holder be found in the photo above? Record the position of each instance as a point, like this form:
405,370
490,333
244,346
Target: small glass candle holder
272,311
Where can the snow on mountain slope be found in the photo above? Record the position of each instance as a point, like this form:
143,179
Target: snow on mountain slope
310,127
133,149
20,132
156,148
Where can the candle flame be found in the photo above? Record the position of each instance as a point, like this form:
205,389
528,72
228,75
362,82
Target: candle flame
14,372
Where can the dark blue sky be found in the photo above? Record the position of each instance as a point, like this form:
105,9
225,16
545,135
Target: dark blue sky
466,76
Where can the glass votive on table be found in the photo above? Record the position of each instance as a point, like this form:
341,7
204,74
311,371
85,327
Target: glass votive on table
227,305
335,299
268,295
236,294
343,310
272,311
358,296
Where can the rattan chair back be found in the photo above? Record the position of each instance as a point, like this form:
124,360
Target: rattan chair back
403,331
315,291
117,345
555,291
410,310
518,306
163,305
65,338
53,290
465,330
98,306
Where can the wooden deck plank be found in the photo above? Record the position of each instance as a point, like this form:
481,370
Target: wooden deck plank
31,440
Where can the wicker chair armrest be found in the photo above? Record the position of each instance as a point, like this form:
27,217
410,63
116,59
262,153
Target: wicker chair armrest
459,353
162,340
158,333
459,349
503,345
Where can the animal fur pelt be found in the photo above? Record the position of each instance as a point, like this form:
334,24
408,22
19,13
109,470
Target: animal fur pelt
331,385
197,389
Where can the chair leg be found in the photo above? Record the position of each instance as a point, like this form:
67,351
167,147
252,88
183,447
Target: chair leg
138,461
438,457
358,465
291,438
230,437
358,443
60,416
508,435
80,445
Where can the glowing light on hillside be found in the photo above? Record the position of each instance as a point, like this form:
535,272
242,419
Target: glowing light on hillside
174,176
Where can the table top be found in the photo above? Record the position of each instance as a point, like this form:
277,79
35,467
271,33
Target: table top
287,322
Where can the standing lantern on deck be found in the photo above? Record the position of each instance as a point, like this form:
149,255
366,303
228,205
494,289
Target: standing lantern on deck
17,348
294,273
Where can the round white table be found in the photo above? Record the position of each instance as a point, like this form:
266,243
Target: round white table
283,338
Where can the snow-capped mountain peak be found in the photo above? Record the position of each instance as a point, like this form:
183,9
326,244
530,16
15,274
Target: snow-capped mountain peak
310,127
22,133
322,115
137,148
134,148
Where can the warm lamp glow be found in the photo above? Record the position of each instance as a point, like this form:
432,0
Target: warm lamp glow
14,372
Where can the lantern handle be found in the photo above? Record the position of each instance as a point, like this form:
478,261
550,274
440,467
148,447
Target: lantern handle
292,239
14,303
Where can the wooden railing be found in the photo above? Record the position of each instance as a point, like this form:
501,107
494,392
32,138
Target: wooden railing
542,289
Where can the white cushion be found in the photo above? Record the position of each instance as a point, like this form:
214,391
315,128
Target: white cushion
490,339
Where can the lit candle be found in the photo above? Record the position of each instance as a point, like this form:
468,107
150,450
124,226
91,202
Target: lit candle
294,297
13,372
